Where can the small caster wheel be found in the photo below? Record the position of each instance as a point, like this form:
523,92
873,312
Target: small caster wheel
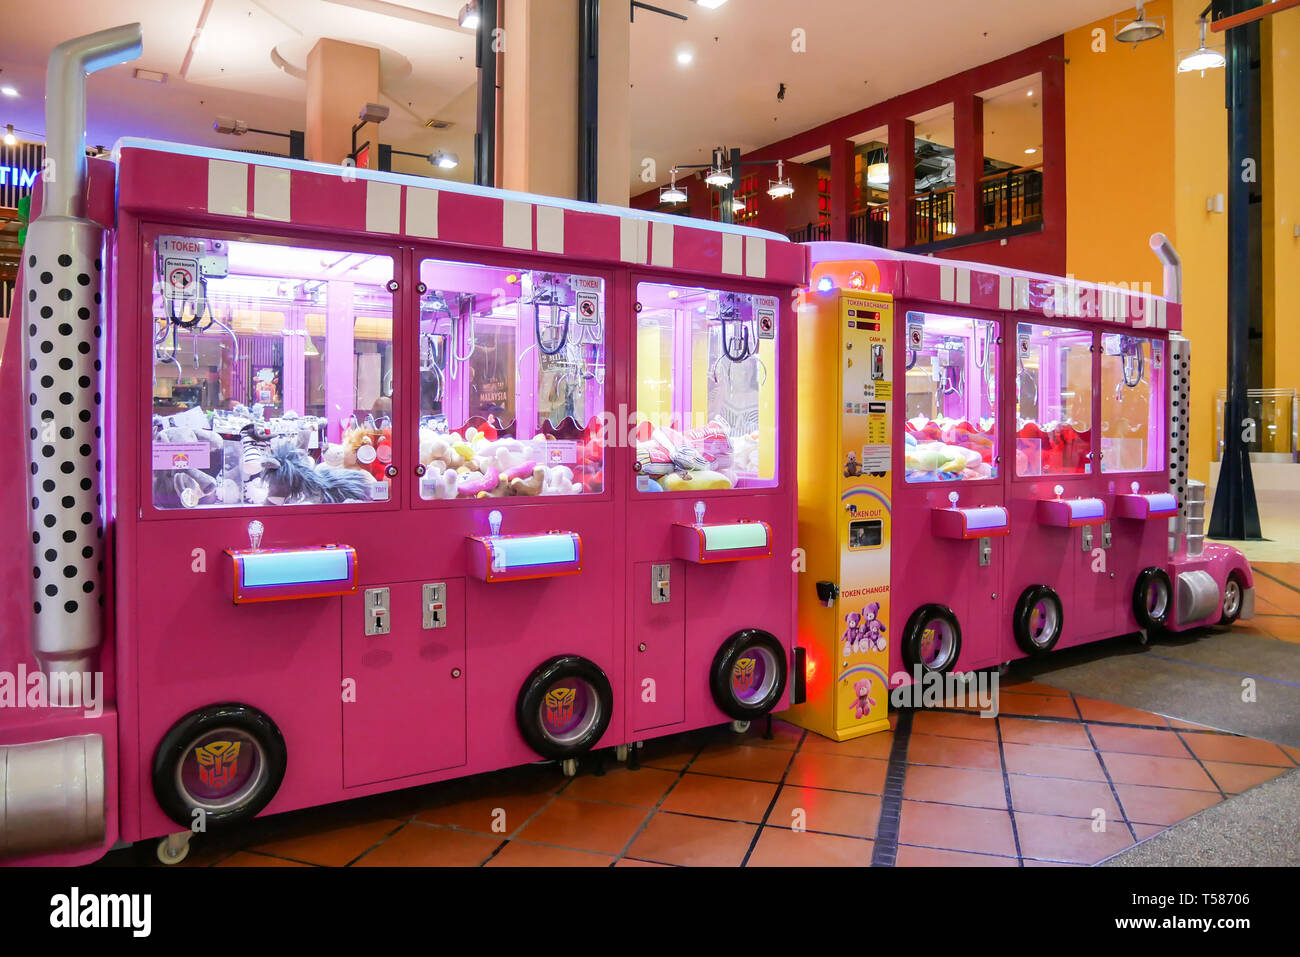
1003,669
740,727
570,767
1143,637
174,848
620,753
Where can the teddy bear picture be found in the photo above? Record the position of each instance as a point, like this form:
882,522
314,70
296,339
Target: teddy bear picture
863,702
852,468
873,629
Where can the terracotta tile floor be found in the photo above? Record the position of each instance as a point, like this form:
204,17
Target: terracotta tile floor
1054,780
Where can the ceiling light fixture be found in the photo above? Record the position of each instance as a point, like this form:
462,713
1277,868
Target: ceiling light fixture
8,91
468,16
230,126
710,4
684,57
718,176
780,187
10,139
672,193
1202,58
444,160
737,205
1141,29
878,174
1031,150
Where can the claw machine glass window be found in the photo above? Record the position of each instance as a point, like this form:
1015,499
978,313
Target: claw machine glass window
1053,400
952,398
706,372
273,374
1132,403
512,382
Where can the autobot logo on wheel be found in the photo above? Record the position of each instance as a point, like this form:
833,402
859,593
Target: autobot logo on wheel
218,763
742,675
559,706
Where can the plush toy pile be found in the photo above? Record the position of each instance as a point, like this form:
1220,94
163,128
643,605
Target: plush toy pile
481,463
256,461
699,459
948,449
1060,449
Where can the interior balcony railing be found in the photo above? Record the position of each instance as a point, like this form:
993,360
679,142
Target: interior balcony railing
811,233
933,216
1012,198
870,226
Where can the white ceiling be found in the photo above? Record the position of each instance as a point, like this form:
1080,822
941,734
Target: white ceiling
859,52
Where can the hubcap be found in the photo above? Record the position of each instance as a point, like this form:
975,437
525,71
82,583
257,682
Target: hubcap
1157,600
1231,598
937,641
753,675
1043,623
569,709
221,769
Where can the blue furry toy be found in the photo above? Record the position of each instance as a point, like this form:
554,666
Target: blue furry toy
292,478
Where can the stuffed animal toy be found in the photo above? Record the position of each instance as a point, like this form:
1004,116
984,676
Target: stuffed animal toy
702,480
292,478
852,624
559,481
531,484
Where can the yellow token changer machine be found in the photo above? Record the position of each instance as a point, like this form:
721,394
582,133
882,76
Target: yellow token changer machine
845,467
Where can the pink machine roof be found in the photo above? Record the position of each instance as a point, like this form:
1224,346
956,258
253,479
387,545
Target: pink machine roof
949,281
168,178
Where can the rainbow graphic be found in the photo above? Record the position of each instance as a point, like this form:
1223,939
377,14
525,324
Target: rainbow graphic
873,670
879,496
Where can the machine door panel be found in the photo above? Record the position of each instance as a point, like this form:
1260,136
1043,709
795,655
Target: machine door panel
658,649
407,709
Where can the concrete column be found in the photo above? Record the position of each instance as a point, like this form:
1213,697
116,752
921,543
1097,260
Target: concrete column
968,132
902,178
341,78
538,150
615,125
841,188
539,98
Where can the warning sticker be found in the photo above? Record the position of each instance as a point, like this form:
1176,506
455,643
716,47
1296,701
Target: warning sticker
766,323
588,308
875,458
180,278
915,330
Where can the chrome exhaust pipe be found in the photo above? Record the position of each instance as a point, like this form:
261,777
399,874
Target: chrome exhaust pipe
62,363
1173,266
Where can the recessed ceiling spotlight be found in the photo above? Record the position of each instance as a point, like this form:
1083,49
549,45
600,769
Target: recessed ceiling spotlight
1030,150
8,91
710,4
684,57
1030,93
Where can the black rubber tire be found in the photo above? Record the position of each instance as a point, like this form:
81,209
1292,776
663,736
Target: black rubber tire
724,663
1226,619
1145,579
176,745
914,631
528,707
1020,623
